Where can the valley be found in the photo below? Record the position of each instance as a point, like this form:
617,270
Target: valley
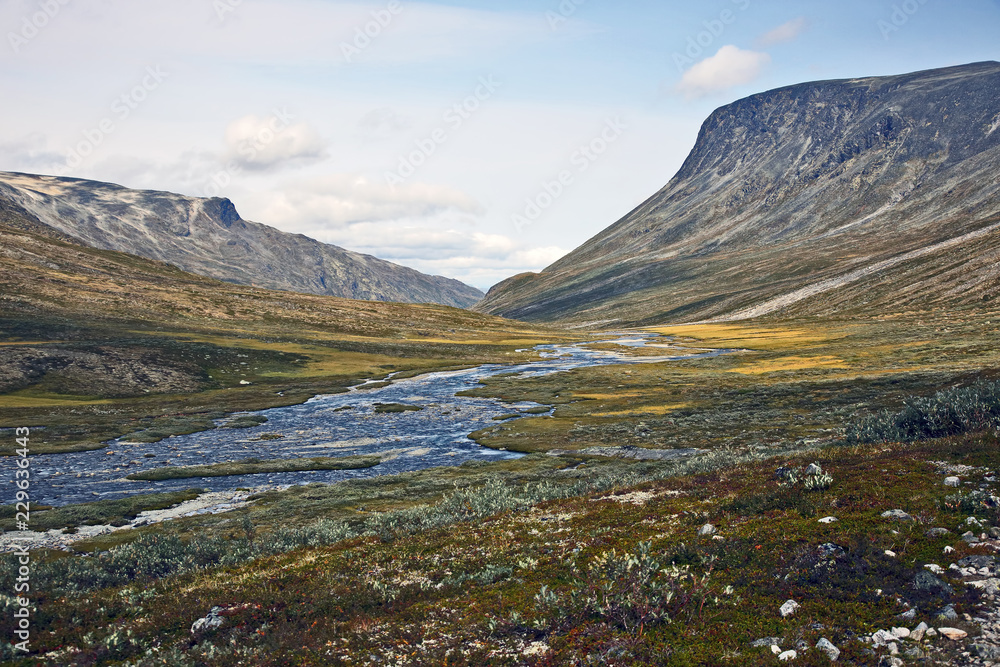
755,421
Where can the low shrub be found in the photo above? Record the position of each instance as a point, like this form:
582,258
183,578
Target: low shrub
946,413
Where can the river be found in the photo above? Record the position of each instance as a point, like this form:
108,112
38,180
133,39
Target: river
331,425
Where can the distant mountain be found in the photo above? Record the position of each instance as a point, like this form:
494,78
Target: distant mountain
859,196
208,237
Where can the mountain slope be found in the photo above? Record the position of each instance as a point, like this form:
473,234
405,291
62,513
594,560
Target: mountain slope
208,237
851,196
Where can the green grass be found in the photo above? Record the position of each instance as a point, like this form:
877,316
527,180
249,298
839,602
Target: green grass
256,466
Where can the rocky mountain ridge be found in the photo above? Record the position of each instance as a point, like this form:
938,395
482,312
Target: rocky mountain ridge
210,238
845,196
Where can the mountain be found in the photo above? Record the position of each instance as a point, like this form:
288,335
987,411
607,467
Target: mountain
850,197
208,237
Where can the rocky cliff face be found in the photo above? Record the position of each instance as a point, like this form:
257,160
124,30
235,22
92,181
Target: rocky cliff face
832,197
208,237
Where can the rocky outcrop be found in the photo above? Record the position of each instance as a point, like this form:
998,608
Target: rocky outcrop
208,237
850,196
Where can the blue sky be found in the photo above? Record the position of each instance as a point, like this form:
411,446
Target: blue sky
470,139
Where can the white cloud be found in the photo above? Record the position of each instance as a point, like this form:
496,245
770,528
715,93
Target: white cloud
786,32
728,68
260,143
338,200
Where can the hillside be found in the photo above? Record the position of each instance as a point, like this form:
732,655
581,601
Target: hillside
208,237
849,197
96,343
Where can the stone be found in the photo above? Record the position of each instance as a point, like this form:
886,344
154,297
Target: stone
969,537
900,633
931,632
890,661
893,648
934,567
897,515
989,586
925,581
978,561
938,532
882,638
775,649
948,613
829,550
814,469
994,533
827,647
986,651
211,622
917,633
952,481
914,653
706,530
908,615
766,642
789,608
788,656
953,634
829,519
890,553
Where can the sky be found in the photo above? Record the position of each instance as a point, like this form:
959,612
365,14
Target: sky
475,140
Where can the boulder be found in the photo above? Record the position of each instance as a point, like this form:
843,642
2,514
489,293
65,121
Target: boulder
706,530
952,481
953,634
789,608
925,581
897,515
211,622
827,647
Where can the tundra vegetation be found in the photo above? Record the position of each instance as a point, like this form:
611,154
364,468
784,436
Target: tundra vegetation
565,558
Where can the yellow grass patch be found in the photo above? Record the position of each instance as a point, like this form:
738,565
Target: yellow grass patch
746,336
17,400
786,364
644,410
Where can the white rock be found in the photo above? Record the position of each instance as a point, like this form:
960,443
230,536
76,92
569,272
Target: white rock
890,554
775,649
707,529
934,567
931,632
897,515
826,646
829,519
882,638
917,634
814,469
953,633
900,633
949,550
952,481
789,608
893,648
788,656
